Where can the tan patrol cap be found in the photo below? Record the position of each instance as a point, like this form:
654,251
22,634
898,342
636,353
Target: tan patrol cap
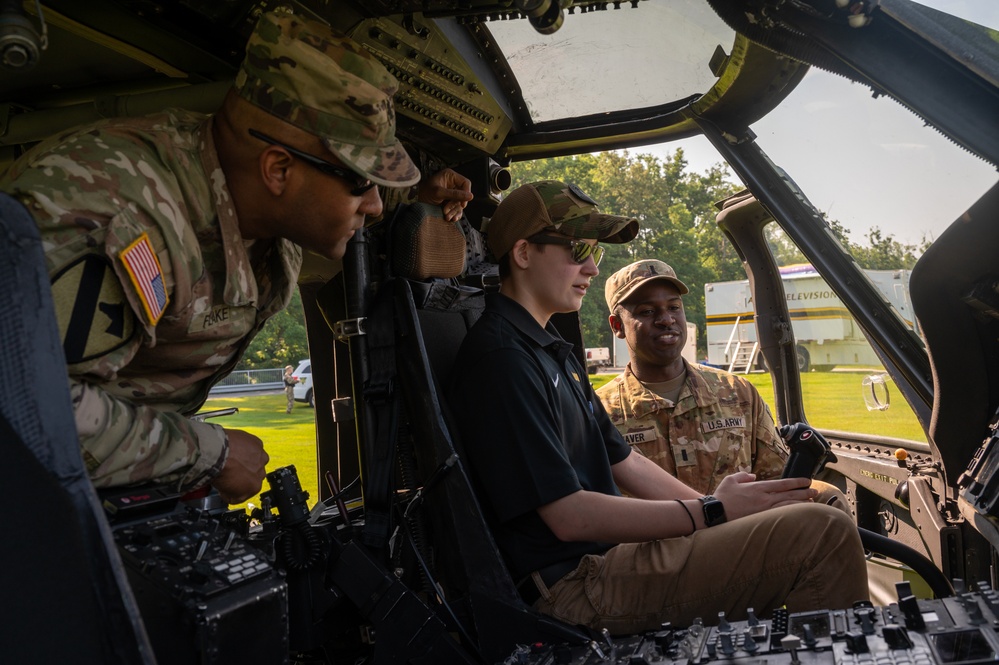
626,281
305,74
550,205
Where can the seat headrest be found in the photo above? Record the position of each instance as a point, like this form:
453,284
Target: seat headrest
425,245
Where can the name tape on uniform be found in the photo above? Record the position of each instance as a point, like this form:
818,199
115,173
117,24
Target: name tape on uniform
724,423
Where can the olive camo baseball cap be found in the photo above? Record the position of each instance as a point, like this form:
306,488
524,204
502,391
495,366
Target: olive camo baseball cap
628,279
305,74
550,205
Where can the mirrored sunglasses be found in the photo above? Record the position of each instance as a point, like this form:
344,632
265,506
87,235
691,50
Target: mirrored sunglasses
580,250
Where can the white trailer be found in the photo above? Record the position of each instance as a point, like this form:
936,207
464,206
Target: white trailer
621,355
597,357
826,336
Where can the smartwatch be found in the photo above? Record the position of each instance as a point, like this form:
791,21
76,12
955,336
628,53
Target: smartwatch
714,511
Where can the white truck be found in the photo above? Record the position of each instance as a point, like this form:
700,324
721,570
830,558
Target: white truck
621,355
597,357
826,336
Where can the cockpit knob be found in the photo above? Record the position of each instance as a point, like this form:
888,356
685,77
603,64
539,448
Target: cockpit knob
902,493
856,642
896,637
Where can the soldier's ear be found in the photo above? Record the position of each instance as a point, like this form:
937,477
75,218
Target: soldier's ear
617,327
275,168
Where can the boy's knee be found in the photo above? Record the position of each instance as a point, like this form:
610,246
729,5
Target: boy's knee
821,521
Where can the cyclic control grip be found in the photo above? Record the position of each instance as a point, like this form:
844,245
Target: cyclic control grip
809,451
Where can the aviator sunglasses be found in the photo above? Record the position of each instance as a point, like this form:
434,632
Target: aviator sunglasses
360,184
579,249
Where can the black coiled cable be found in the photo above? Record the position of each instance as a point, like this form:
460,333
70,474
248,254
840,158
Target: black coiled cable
301,548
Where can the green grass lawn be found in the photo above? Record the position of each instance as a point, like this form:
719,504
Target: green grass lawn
833,400
289,438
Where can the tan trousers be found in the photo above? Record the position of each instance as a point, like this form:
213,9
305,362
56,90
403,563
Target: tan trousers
806,556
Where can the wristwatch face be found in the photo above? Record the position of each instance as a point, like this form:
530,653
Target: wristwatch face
714,511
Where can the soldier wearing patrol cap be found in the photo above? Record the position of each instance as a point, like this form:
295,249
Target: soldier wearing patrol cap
698,423
550,467
170,240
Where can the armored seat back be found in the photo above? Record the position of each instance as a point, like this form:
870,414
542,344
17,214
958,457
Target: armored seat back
66,598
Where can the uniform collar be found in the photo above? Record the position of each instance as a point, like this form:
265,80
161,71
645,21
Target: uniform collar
704,393
644,402
239,291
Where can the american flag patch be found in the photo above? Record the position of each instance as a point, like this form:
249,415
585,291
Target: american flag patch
144,268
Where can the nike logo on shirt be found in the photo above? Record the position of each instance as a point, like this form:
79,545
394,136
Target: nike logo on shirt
555,381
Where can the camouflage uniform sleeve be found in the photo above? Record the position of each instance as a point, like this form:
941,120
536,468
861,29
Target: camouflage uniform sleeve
124,443
770,454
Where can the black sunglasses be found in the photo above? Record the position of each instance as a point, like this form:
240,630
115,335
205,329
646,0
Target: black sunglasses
360,183
579,249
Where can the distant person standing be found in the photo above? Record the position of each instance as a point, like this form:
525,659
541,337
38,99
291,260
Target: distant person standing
289,386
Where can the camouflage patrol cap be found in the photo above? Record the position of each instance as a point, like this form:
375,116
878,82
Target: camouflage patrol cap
328,85
628,279
550,205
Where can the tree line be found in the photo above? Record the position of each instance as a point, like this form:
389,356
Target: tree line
676,209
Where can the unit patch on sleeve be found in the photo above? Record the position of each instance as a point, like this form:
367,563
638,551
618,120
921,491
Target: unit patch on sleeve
143,268
94,317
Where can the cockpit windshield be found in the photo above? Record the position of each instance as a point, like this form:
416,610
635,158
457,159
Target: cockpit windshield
654,54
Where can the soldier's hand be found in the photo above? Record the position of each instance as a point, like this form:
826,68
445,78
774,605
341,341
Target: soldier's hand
742,494
448,189
243,473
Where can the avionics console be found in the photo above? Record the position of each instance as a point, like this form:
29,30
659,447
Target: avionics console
205,593
960,630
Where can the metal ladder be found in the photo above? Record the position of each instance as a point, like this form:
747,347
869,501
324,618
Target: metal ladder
743,352
744,357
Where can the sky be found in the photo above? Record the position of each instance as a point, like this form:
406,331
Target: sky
866,162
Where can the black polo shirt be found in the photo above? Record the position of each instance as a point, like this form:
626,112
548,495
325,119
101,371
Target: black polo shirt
532,430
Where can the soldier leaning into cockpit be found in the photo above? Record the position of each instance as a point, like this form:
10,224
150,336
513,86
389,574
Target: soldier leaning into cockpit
550,466
171,239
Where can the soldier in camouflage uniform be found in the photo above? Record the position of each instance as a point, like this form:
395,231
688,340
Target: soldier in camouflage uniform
698,423
289,387
171,239
550,467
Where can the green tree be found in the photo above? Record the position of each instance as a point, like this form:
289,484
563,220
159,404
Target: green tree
785,252
880,252
282,341
883,252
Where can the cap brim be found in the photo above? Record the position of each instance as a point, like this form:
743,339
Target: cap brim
605,228
389,166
